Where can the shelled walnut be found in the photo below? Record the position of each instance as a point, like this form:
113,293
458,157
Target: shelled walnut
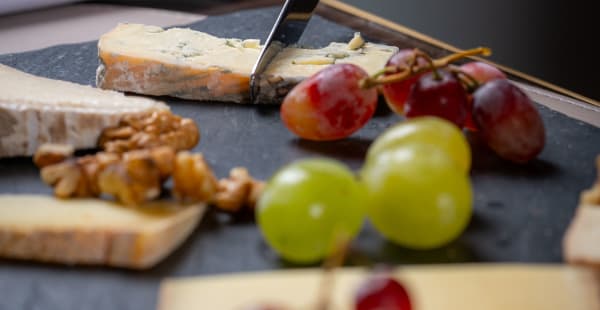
136,176
159,128
132,177
50,153
237,191
193,180
76,177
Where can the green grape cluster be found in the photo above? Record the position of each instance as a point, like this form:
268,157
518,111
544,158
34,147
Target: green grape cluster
417,182
414,187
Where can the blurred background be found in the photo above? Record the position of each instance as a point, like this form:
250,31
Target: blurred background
550,39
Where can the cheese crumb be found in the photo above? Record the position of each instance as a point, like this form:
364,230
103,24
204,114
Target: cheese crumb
251,43
338,55
316,60
356,42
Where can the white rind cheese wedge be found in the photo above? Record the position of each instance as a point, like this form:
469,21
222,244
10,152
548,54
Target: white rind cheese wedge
194,65
92,231
451,287
36,110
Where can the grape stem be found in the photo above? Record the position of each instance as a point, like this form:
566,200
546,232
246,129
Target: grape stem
469,82
335,260
420,54
402,73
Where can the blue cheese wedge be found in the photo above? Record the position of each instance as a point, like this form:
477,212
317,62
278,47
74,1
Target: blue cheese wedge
194,65
36,110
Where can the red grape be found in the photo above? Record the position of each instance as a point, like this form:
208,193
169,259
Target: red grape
329,105
469,121
441,96
396,93
382,292
508,120
482,72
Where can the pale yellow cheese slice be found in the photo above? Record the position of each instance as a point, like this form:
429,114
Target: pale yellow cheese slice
36,110
451,287
581,243
195,65
92,231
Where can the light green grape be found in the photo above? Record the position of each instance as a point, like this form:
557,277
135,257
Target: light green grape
428,129
308,207
418,198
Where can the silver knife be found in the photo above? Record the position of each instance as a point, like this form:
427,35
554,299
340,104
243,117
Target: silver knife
288,29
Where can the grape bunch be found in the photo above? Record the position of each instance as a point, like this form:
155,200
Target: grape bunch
414,188
416,176
340,99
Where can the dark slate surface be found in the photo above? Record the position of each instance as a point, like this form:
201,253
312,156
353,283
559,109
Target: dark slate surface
521,212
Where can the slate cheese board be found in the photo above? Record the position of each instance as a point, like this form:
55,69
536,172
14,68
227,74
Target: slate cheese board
521,211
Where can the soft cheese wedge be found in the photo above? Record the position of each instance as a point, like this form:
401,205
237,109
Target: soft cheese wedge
36,110
92,231
194,65
451,287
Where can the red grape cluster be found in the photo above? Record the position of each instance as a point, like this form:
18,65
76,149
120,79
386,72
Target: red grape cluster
340,99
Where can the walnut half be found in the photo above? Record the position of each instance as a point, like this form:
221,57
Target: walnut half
237,191
193,180
159,128
49,154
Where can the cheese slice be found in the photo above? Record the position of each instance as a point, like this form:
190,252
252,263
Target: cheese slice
92,231
194,65
581,244
450,287
36,110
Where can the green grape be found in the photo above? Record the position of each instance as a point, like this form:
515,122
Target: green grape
427,129
418,197
308,207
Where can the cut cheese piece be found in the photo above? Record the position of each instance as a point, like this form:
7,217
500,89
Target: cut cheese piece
194,65
36,110
452,287
582,240
581,244
92,231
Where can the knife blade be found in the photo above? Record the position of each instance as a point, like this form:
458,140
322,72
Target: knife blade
287,30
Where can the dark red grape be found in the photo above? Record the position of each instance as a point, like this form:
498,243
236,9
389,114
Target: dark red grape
441,96
508,121
482,72
382,292
469,121
396,93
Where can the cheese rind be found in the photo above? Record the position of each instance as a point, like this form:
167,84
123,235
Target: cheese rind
194,65
36,110
92,231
